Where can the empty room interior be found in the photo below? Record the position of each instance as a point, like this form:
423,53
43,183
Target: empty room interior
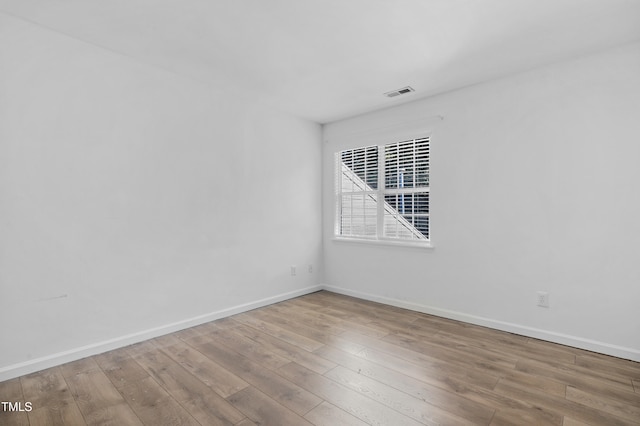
218,212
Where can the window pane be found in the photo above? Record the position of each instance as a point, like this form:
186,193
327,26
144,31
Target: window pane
422,225
420,203
407,164
406,216
361,167
358,215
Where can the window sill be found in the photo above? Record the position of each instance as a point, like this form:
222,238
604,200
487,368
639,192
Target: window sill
409,244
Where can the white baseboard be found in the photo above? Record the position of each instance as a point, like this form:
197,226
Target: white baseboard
551,336
31,366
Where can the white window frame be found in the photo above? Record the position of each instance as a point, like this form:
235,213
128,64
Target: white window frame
383,209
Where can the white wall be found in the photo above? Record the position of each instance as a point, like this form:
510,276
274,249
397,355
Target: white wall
134,201
535,186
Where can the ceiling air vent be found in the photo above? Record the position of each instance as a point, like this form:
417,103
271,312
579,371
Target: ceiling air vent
399,92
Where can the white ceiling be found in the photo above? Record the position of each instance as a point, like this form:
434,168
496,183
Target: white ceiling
330,59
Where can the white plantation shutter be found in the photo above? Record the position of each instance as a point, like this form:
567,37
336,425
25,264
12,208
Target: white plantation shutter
406,189
382,192
357,181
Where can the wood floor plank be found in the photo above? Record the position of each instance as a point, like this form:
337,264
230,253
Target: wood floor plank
140,348
576,376
372,310
509,417
624,409
588,373
515,348
354,403
11,391
263,410
402,402
172,376
206,406
373,328
340,325
468,337
153,405
348,318
66,413
281,390
418,352
507,408
542,384
327,414
424,366
473,333
10,418
622,370
83,365
52,402
636,385
275,318
445,349
167,340
578,352
302,316
286,350
601,359
416,330
544,353
278,332
434,389
120,368
218,378
320,336
342,299
46,388
604,392
188,333
99,401
248,348
562,407
568,421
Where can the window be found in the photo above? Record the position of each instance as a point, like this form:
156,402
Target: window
382,192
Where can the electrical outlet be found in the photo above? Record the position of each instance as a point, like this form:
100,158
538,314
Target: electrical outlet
311,269
293,270
543,299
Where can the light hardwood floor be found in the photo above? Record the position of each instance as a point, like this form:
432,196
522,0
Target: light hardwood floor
327,359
